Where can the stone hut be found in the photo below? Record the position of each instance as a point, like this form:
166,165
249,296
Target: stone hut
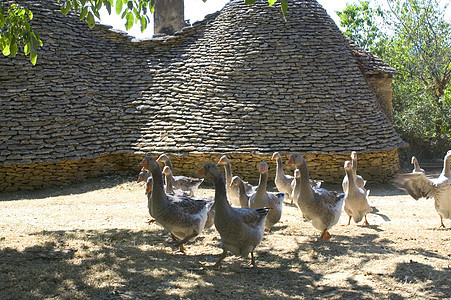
242,82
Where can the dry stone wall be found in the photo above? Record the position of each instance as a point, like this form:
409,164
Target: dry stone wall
243,81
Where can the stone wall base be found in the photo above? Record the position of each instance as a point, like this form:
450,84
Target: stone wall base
373,166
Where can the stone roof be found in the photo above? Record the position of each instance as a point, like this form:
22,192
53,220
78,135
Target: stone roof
369,63
242,80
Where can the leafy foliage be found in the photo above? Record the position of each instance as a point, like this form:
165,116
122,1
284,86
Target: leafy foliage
413,37
360,23
16,32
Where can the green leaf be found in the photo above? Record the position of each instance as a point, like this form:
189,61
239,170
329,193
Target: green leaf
118,7
83,13
26,49
130,20
33,58
90,20
284,7
13,49
108,7
6,50
65,8
143,23
33,43
271,2
130,5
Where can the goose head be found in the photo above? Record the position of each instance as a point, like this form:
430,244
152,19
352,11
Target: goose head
148,163
235,180
209,171
296,159
223,160
348,165
167,170
275,155
263,167
143,175
163,158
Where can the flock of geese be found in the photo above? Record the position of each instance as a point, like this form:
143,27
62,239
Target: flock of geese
242,213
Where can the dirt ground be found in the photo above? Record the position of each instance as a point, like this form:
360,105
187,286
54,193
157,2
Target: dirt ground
91,241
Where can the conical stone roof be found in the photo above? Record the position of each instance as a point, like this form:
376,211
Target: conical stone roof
254,82
242,80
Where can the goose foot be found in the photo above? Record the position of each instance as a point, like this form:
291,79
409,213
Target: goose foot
251,264
217,265
365,223
325,235
150,221
442,225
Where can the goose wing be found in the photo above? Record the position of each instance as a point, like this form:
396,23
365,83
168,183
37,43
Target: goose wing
189,205
415,184
252,217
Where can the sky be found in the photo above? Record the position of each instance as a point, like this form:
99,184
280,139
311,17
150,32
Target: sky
196,10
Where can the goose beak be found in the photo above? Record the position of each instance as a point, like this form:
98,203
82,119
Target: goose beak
290,161
143,163
273,156
201,171
232,183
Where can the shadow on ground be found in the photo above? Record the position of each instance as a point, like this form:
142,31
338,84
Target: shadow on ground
125,264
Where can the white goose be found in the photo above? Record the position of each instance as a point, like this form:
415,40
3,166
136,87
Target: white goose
356,198
241,229
416,165
360,182
284,183
261,198
232,190
244,198
417,185
183,217
320,206
184,183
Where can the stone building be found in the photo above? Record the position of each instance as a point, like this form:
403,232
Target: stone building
242,82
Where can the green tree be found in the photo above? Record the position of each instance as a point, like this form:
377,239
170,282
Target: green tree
16,31
361,23
415,38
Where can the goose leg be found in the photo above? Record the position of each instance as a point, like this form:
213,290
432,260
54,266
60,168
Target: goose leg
349,221
218,262
441,222
366,222
186,239
325,235
252,262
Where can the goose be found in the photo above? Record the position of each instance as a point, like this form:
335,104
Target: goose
169,178
183,217
416,165
360,182
356,198
184,183
285,183
417,185
241,228
244,198
320,206
143,175
261,198
232,191
170,191
296,187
